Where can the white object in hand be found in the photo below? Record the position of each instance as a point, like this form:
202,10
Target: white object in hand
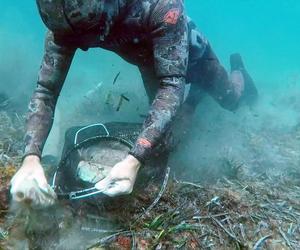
29,185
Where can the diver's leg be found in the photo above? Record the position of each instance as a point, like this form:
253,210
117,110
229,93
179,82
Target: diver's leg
250,93
213,78
197,47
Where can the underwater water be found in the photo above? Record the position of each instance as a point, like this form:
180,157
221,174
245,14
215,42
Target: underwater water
264,137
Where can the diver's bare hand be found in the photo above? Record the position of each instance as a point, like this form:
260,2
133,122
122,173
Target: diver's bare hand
29,185
121,179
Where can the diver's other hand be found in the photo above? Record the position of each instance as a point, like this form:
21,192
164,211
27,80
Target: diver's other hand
29,185
121,179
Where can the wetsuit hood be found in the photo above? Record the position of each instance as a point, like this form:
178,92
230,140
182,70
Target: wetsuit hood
79,16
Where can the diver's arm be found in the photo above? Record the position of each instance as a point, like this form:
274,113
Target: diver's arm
164,108
55,65
29,185
170,58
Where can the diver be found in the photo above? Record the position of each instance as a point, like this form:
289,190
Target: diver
154,35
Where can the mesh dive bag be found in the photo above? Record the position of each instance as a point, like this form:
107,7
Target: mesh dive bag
90,152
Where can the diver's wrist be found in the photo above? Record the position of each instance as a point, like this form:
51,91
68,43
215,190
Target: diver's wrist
31,159
130,158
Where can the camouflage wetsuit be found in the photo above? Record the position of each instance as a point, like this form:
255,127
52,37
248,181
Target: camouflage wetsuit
152,34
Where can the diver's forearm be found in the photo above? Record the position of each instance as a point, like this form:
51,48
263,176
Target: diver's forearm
161,114
39,122
55,66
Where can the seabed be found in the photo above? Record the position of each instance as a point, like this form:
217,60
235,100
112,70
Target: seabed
242,209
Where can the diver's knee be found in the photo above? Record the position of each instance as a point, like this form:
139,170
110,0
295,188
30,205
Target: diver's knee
230,101
231,106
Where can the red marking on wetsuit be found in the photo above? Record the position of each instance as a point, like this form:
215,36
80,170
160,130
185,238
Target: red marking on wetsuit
144,142
172,16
